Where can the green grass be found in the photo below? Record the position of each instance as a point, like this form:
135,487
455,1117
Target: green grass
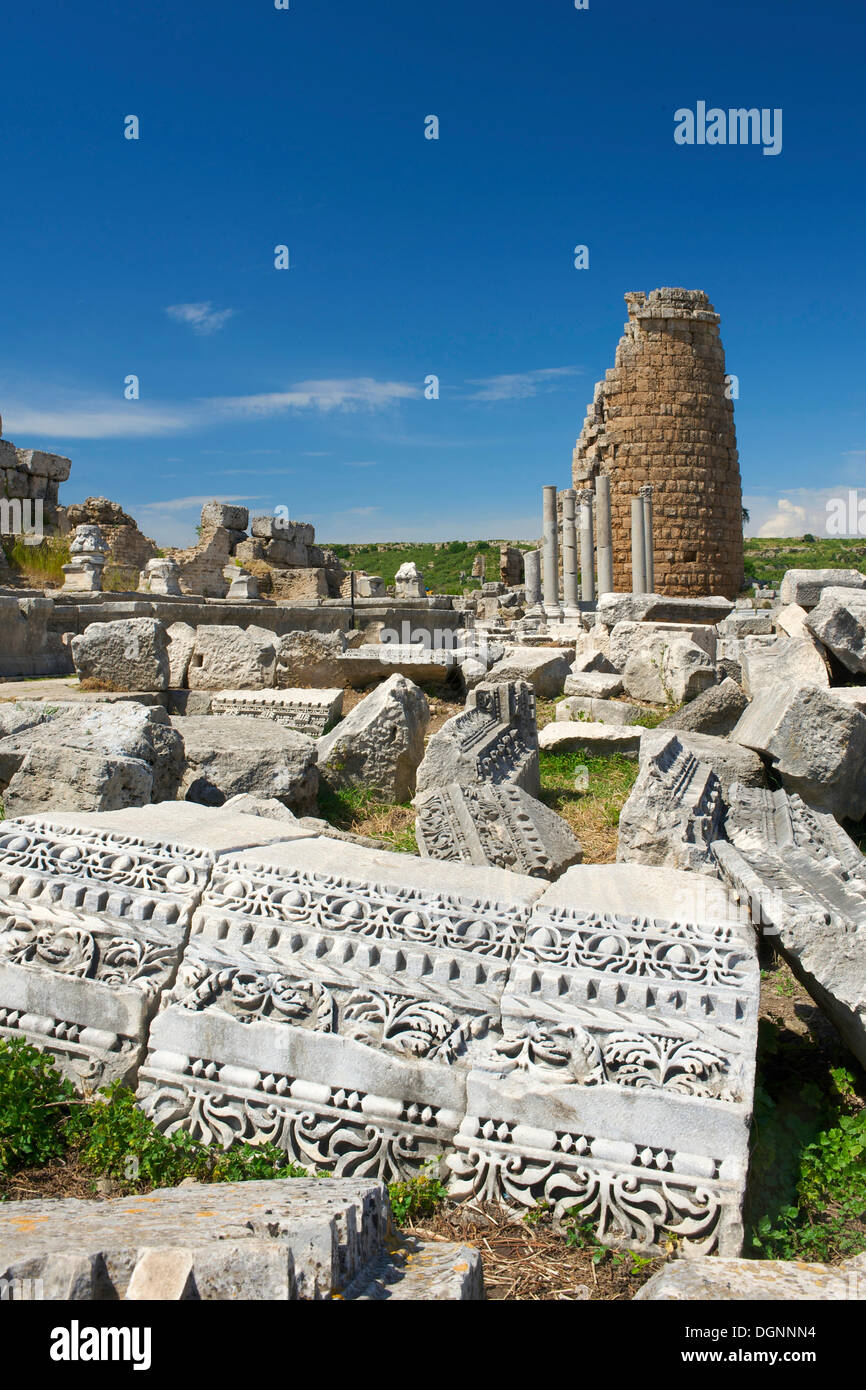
594,814
359,810
39,563
441,568
767,559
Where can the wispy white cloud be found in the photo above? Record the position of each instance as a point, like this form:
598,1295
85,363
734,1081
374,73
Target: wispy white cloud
74,415
368,463
181,504
203,319
518,386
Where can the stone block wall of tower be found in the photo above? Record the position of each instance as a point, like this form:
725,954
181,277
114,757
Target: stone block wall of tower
662,416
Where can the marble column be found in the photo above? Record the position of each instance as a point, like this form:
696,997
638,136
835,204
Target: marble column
569,554
638,548
532,577
550,549
646,494
605,534
587,547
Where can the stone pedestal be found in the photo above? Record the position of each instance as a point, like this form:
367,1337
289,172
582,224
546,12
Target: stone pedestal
160,576
638,547
550,552
88,553
408,581
242,584
587,547
604,538
646,494
569,554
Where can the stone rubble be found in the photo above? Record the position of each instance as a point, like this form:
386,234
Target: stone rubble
496,824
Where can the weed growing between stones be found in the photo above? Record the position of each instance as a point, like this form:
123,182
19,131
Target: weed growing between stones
358,810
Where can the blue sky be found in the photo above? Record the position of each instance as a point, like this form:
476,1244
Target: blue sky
409,257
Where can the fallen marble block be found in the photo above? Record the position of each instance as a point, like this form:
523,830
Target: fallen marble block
230,755
310,659
98,757
92,928
806,880
731,762
293,1238
225,657
498,825
594,684
598,711
839,623
817,744
674,810
621,1089
805,587
614,608
715,711
130,654
668,670
627,638
309,712
749,622
731,1280
331,1000
380,743
494,739
586,736
545,668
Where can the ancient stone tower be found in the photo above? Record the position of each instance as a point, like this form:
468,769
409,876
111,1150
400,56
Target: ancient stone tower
662,416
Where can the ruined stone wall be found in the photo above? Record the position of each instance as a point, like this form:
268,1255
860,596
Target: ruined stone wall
661,416
30,474
128,548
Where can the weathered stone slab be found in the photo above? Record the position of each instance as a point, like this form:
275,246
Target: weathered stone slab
128,655
92,927
288,1239
545,668
599,711
674,810
628,638
817,744
747,622
805,587
306,711
495,739
715,711
667,670
806,880
380,743
331,1000
622,1086
500,825
839,623
181,642
228,755
586,736
731,762
731,1280
614,608
232,657
593,684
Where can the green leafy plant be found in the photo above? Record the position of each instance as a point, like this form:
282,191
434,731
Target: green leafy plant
34,1101
417,1197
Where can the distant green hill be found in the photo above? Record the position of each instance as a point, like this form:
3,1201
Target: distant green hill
765,559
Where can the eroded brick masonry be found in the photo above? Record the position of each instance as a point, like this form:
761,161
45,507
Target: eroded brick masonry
662,416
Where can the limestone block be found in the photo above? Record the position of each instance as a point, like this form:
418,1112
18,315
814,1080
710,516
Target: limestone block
729,761
24,641
586,736
806,881
731,1280
598,685
228,755
409,581
53,466
816,742
805,587
667,670
789,659
295,585
591,659
306,711
839,622
310,659
92,926
626,638
602,711
715,711
380,743
495,739
748,622
340,995
498,825
233,518
130,654
232,657
545,668
622,1084
674,810
181,643
89,758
